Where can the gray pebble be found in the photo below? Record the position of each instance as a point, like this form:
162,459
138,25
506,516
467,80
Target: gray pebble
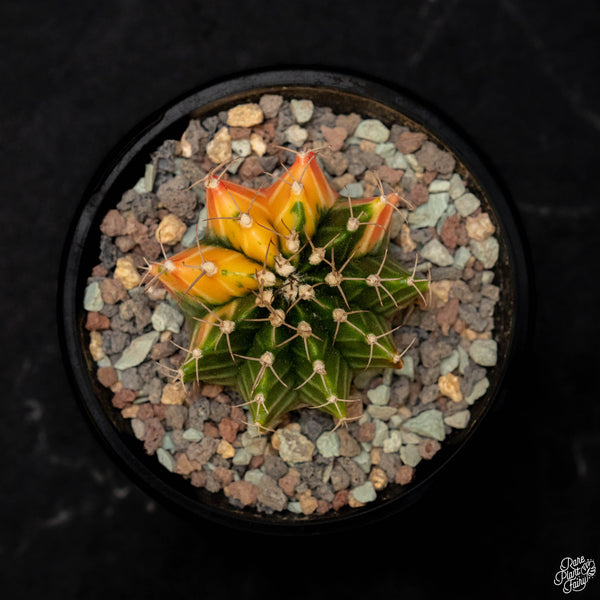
302,110
364,493
427,214
372,130
486,251
458,420
466,204
429,423
167,318
437,253
165,459
137,351
328,444
484,352
92,298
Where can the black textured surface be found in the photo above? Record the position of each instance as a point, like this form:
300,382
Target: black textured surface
520,78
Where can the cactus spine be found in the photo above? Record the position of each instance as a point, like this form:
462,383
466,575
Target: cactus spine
290,292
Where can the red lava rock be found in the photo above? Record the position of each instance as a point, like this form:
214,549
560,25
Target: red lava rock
428,448
238,416
244,491
389,175
162,350
124,243
429,176
266,130
123,398
289,482
404,474
211,390
256,462
96,322
223,476
154,435
228,429
113,223
340,499
210,430
113,291
433,158
239,133
410,141
447,315
145,411
198,478
107,376
160,410
99,271
366,432
250,168
348,122
418,195
334,136
449,231
150,248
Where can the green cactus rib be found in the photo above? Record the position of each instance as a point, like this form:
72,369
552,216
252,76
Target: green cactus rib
313,320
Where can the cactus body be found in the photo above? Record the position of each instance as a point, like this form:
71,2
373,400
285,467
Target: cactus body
290,292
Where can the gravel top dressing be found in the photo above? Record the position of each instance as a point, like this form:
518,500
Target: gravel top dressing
137,335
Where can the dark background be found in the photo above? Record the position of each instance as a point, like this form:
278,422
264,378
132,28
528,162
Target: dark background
521,79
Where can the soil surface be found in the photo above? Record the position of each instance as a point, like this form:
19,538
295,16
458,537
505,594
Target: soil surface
201,432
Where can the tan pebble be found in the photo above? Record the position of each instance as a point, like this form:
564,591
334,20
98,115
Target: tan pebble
375,455
308,503
367,146
449,385
96,349
127,273
211,390
480,228
183,466
245,115
116,387
354,503
468,334
406,242
440,292
218,149
173,393
130,412
294,427
257,144
378,478
276,441
225,449
170,230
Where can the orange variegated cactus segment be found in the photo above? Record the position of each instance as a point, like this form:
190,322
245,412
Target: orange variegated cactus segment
211,274
306,171
381,210
238,215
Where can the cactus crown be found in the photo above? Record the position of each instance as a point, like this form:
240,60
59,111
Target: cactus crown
290,292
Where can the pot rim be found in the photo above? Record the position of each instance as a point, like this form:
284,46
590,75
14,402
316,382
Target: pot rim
382,96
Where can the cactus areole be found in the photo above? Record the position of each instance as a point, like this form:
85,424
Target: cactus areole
290,292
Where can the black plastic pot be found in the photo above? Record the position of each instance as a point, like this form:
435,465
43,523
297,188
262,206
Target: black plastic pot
345,93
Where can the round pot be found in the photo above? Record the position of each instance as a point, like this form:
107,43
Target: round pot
344,93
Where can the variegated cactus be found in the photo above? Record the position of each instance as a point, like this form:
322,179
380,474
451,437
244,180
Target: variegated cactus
290,292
